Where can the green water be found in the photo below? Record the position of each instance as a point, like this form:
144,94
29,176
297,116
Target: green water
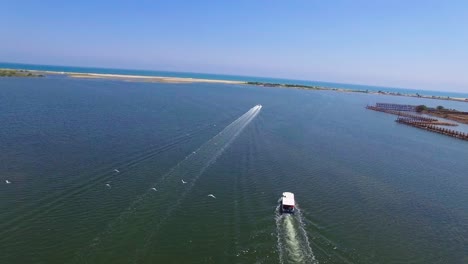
368,189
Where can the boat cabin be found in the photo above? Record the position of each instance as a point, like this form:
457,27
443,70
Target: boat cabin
287,203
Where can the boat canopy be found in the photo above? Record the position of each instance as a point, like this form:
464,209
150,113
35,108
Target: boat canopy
288,199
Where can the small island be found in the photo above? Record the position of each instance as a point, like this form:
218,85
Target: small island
18,73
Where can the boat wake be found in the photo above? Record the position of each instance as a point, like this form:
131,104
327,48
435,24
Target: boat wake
151,209
293,243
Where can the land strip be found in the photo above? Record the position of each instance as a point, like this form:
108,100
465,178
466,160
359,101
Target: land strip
18,73
163,79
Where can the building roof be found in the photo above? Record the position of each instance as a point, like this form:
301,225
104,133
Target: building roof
288,198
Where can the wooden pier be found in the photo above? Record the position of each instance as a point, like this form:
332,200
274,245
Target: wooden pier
432,128
427,120
418,121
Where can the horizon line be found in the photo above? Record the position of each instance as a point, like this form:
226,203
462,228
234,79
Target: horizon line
229,74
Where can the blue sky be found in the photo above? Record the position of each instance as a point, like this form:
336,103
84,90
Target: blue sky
413,44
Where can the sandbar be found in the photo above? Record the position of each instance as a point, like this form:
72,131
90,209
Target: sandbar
149,78
162,79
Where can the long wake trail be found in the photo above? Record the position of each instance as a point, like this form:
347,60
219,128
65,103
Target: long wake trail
150,210
293,242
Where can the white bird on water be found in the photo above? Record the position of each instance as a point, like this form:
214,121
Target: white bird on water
184,182
108,185
116,170
7,181
211,195
154,189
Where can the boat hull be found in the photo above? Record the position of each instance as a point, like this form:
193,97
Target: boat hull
286,209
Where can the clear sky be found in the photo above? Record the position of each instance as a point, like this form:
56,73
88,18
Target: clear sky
410,43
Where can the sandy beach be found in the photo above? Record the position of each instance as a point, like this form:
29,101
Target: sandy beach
149,78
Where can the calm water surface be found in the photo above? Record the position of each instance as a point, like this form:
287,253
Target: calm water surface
83,156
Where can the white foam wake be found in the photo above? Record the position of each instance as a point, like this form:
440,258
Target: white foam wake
149,211
293,242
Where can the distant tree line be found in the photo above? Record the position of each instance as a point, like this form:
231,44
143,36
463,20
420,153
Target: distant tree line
18,73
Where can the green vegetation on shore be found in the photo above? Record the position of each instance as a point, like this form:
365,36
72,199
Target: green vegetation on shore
442,112
421,108
290,85
306,87
18,73
311,87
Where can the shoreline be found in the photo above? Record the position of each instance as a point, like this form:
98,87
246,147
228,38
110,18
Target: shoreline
124,77
344,90
163,79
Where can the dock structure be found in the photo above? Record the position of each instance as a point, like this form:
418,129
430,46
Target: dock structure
417,120
396,107
414,117
432,127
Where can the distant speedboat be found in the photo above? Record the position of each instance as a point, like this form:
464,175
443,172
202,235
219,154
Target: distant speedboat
288,205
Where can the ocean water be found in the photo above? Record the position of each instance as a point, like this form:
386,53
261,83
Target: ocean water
83,156
228,77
